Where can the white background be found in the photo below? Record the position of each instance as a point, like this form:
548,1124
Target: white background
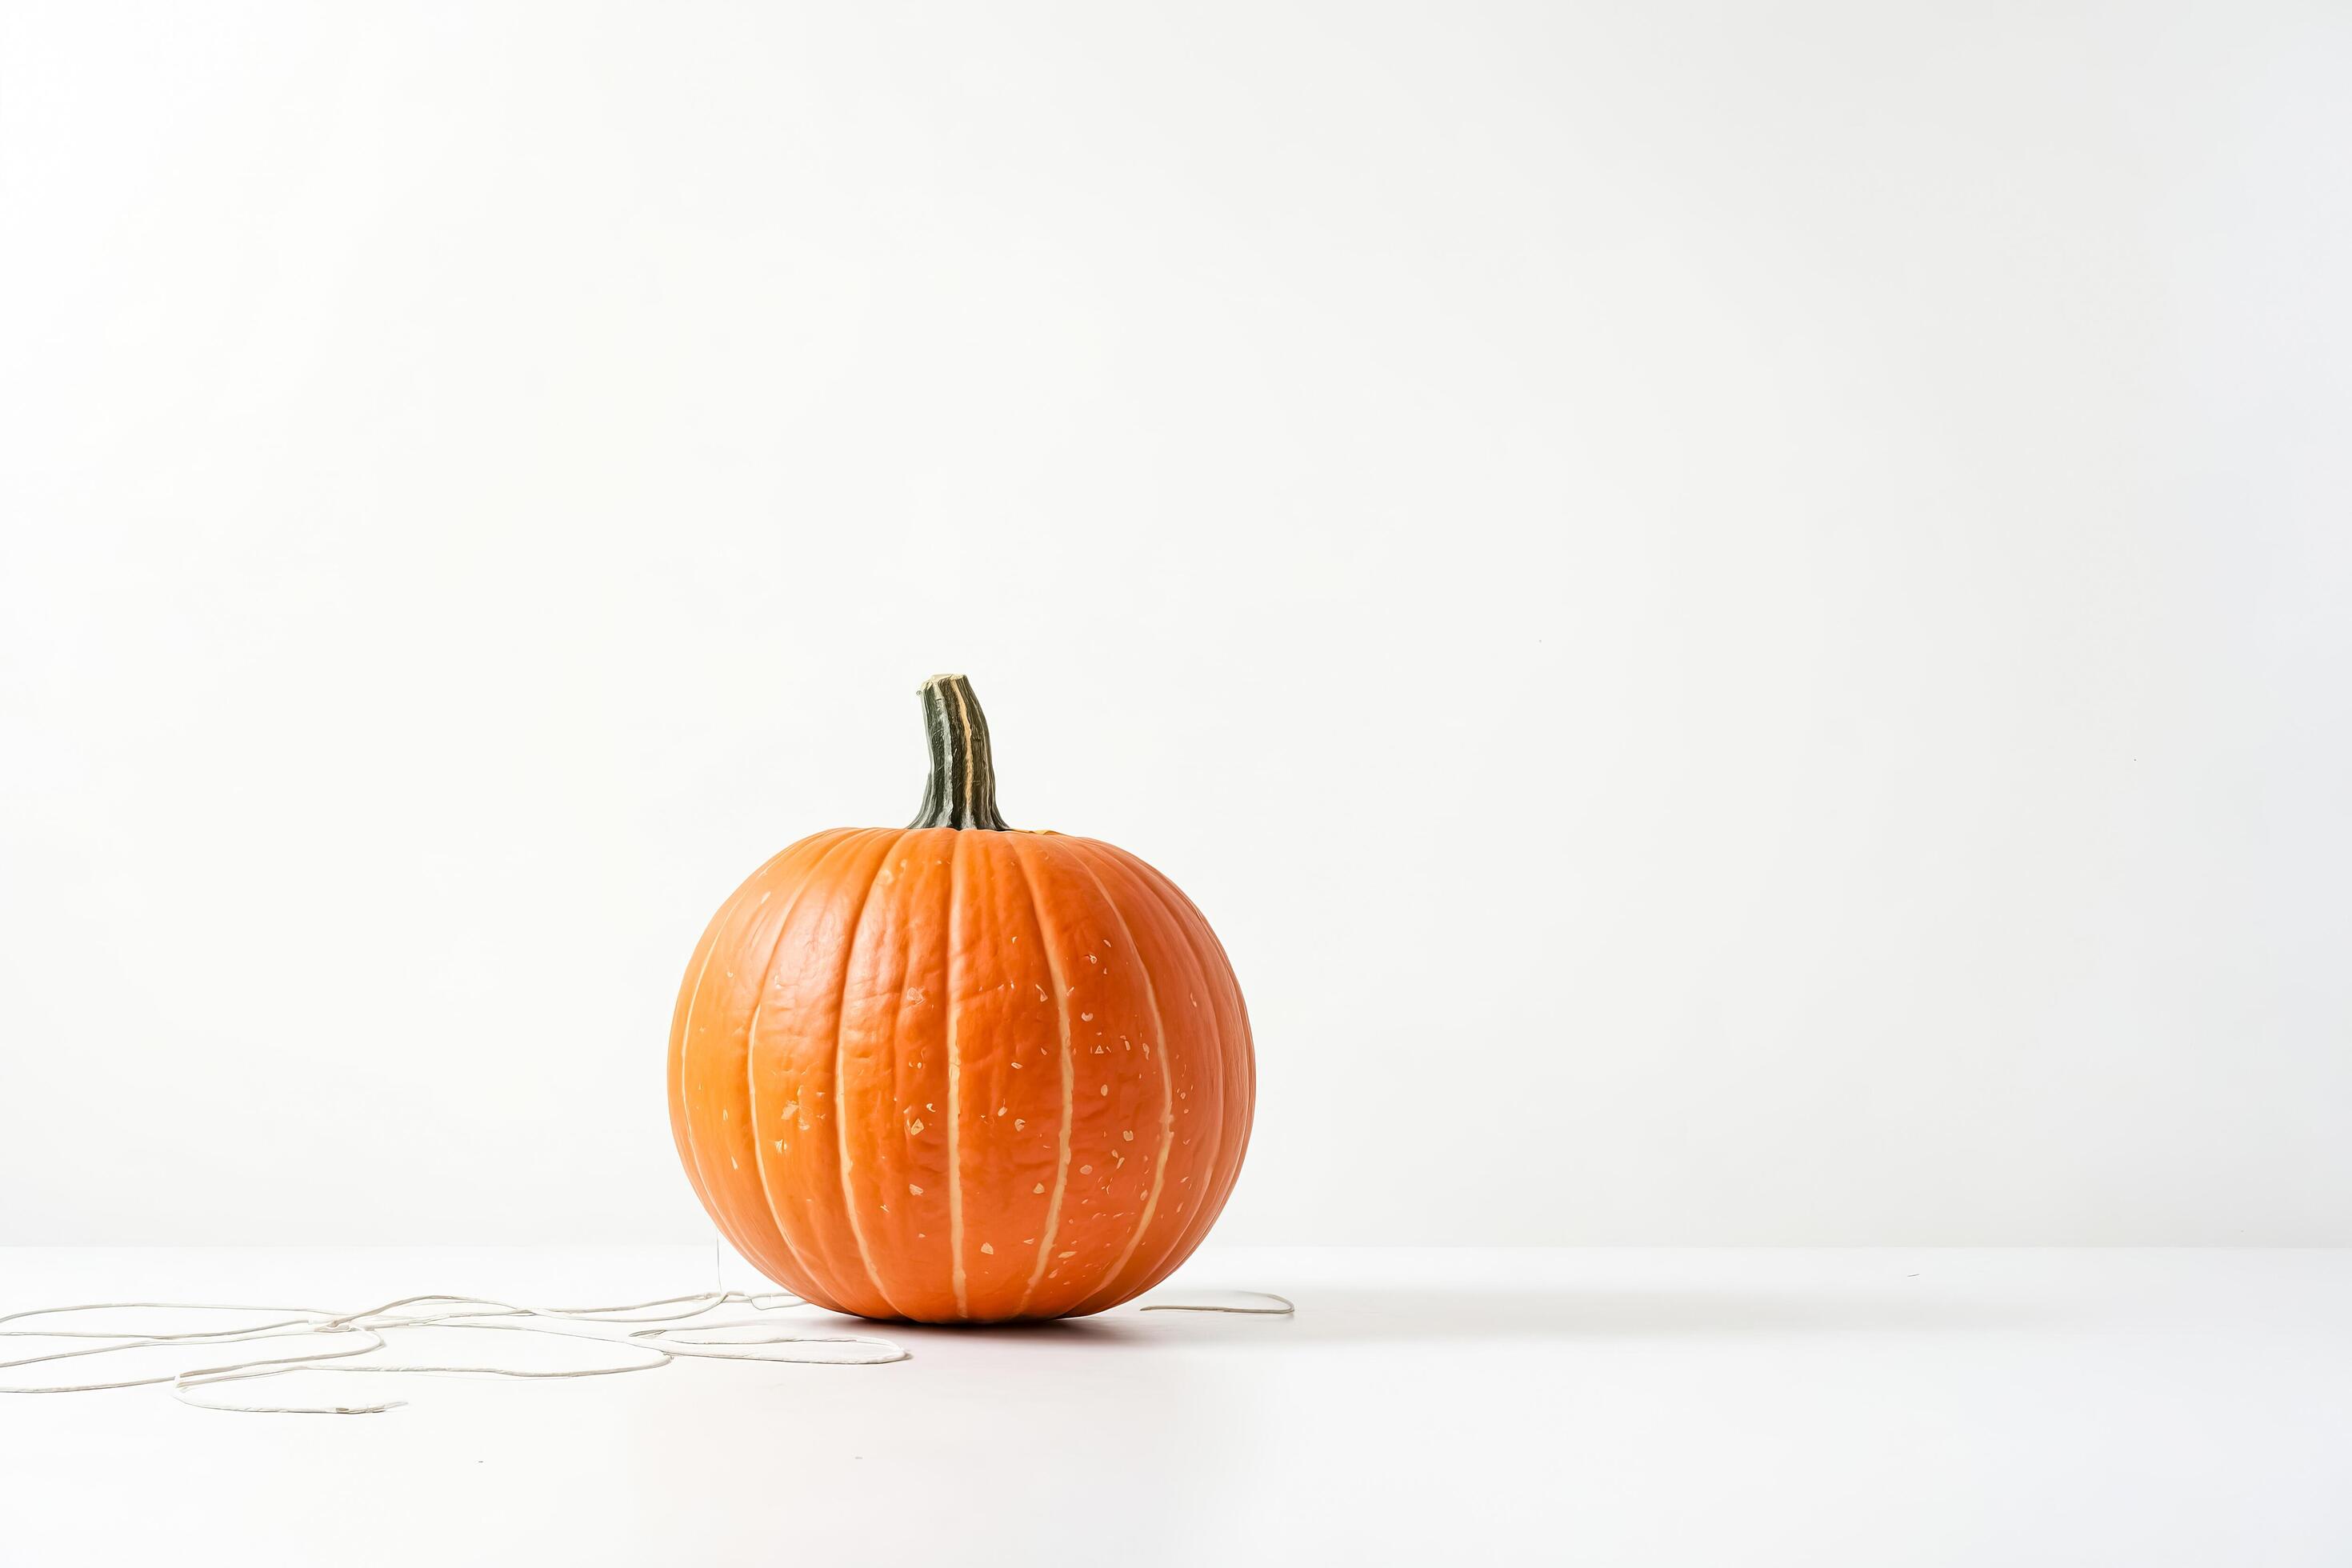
1737,614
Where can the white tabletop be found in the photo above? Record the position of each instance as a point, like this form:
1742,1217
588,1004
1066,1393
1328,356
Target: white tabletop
1818,1408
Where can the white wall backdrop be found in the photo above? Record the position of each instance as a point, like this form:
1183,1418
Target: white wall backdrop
1739,614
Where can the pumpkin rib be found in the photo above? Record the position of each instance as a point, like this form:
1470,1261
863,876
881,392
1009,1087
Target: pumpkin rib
809,1062
955,1076
1167,1086
1207,1056
905,1070
841,1079
1244,1076
752,1086
1221,1171
1048,939
810,1266
1237,1098
816,1247
707,1183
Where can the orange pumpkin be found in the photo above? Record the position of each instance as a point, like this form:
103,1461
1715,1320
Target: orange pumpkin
957,1073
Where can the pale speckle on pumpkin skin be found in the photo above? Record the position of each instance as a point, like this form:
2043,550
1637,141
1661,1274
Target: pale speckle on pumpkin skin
989,1250
1105,1089
914,1189
1086,1170
1129,1136
1041,1187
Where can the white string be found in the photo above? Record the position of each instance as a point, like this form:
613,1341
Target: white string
1284,1306
665,1342
466,1312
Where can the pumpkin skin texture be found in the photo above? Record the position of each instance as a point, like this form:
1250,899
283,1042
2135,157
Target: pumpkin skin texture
960,1074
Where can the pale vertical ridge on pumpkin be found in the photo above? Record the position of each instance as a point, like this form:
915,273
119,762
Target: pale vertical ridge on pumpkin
955,1073
1114,1083
1046,1236
807,1254
1231,1055
1240,1057
751,1097
721,1188
841,1079
900,1176
1195,1046
1167,1084
1237,1094
1008,1088
800,1055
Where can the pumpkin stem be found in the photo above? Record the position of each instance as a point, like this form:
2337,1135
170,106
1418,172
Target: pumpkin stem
963,788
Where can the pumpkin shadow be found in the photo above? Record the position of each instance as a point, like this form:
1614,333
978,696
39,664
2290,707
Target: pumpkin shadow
1358,1315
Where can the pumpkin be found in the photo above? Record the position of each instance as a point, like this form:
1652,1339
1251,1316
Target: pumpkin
956,1072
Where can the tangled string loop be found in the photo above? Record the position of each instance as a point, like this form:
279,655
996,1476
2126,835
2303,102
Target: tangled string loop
669,1315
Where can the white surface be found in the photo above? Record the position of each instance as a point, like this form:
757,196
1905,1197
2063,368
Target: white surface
1741,607
1877,1409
